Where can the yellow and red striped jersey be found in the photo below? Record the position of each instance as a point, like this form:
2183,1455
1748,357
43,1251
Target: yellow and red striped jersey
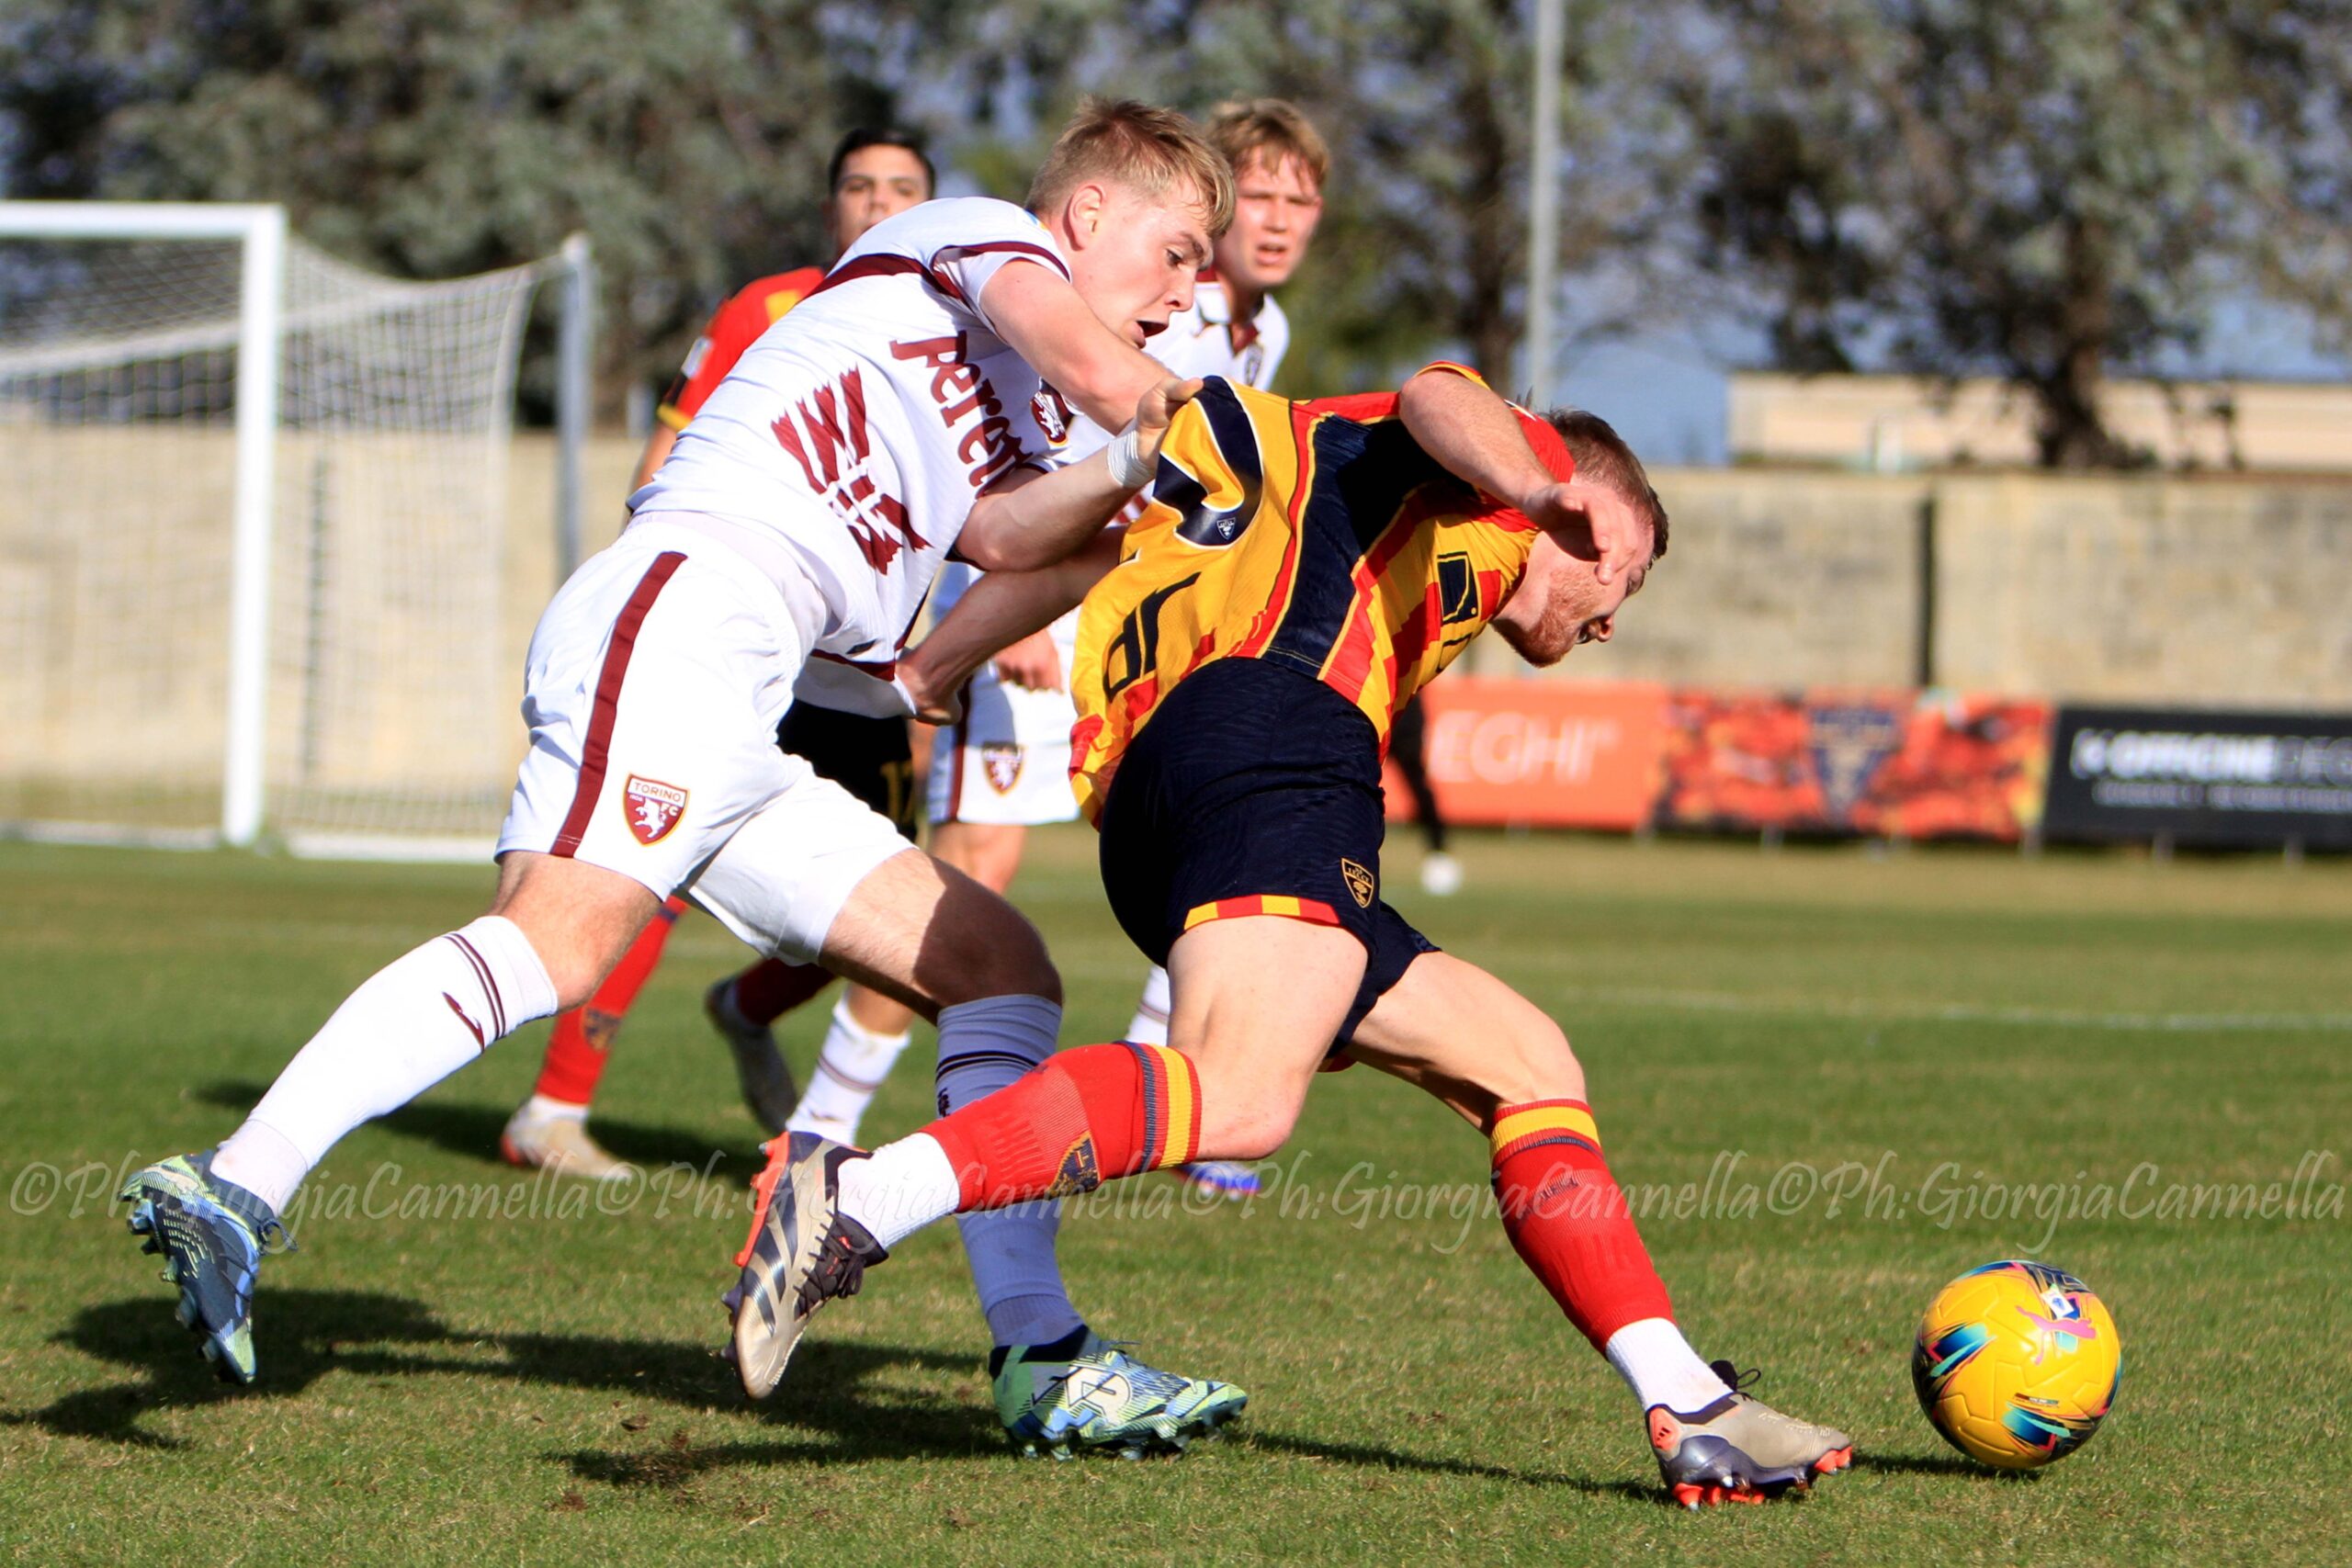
1319,534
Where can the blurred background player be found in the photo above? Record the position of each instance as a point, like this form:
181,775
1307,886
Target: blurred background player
874,174
1004,767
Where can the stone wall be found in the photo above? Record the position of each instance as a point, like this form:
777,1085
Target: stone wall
397,671
2149,590
2228,590
1770,578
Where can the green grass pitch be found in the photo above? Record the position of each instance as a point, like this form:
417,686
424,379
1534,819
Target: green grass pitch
1817,1069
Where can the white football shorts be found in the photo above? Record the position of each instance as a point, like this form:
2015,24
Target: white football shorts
653,688
1007,760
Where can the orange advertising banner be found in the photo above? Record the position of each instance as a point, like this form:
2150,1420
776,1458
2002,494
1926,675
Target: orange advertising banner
1895,764
1891,762
1540,753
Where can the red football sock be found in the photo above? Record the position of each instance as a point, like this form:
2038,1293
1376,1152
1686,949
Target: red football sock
583,1041
1092,1113
1570,1222
770,988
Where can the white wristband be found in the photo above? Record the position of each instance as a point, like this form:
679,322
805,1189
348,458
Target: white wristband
1129,468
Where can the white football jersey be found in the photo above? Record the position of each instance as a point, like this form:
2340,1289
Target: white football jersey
1198,342
856,433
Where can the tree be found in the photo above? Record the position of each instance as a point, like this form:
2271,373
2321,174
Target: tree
1426,103
431,137
428,138
2048,190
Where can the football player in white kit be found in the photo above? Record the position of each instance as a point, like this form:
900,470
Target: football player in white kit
911,407
1004,767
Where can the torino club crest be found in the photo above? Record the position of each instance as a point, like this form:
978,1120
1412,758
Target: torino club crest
1052,414
1001,761
653,808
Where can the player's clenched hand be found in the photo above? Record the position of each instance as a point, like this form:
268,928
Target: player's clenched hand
1033,662
1592,521
1154,409
922,694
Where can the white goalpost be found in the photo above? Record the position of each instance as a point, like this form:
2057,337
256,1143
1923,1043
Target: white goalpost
251,577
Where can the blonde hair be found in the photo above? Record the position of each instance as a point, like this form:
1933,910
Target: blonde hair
1149,150
1271,130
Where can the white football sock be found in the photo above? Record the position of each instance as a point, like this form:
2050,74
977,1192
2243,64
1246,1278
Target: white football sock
263,1162
540,1108
850,1067
1660,1367
901,1187
415,1021
1149,1026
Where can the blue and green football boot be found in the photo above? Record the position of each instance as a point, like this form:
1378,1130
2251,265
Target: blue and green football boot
1103,1398
212,1234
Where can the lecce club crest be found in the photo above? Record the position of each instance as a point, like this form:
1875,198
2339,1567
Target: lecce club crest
1361,883
1001,761
653,808
1052,414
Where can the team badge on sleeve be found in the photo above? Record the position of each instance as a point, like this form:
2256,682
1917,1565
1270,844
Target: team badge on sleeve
653,808
1001,761
1052,415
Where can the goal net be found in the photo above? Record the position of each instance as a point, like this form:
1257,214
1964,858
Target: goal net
232,603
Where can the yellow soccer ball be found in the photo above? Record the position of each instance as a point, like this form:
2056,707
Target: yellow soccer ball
2017,1363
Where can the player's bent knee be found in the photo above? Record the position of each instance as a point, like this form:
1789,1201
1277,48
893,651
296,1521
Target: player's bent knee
575,965
1535,1062
579,918
1249,1130
1000,955
1023,968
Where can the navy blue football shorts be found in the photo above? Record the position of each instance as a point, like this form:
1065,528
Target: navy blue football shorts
1254,790
871,757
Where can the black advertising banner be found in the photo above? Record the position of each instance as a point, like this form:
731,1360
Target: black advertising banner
2202,777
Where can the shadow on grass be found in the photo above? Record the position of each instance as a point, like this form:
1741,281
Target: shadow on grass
1389,1459
822,1372
1943,1464
473,1131
306,1334
303,1335
885,1433
840,1406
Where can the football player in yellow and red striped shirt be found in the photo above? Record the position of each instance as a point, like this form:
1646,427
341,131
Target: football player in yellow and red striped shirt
1301,570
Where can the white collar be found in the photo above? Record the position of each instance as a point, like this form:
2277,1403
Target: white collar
1215,302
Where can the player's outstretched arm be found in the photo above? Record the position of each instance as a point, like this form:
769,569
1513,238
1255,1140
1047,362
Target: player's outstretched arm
658,447
1476,436
1028,519
996,612
1047,322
